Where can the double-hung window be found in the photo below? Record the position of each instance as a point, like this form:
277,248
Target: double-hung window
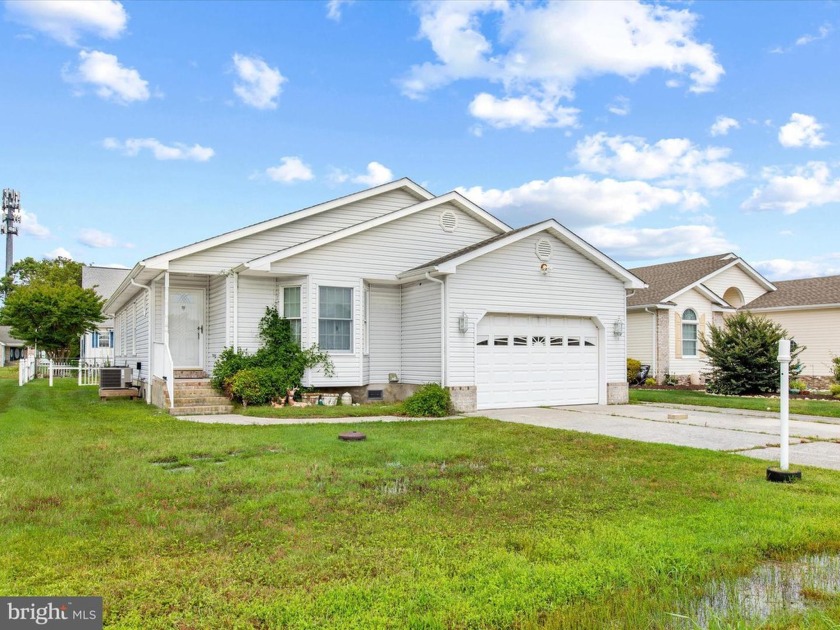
335,318
291,310
689,333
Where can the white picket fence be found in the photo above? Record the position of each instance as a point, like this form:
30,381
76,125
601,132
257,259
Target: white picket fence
85,372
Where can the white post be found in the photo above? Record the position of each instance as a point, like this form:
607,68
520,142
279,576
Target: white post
80,372
51,373
784,403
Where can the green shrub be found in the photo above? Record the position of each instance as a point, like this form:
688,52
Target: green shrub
743,354
797,384
834,388
257,386
278,365
430,401
633,369
650,381
835,367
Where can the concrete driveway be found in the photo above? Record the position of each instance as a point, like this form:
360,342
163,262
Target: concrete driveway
814,441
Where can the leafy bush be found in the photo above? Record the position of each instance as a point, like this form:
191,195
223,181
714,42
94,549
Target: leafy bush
835,367
834,388
797,384
277,366
430,401
257,386
742,355
633,369
650,381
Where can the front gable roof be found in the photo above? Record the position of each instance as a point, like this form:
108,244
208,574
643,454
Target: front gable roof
668,280
807,292
453,198
450,262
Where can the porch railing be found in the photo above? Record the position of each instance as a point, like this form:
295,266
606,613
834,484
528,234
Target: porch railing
164,369
26,370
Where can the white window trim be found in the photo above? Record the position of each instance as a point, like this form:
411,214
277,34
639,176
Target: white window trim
366,317
281,306
353,296
690,322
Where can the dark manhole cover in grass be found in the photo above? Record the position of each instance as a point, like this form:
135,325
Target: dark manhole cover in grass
352,436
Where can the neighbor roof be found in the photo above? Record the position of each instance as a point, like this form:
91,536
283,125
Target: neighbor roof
804,292
669,279
6,337
103,280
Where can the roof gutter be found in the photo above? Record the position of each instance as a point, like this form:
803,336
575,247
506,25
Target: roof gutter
443,340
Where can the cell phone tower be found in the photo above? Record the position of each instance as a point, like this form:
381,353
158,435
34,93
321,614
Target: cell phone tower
9,223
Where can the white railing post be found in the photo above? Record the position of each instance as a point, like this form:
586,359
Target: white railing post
51,373
80,373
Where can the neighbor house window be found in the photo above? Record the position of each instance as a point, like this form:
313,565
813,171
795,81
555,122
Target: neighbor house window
689,333
291,310
335,318
98,340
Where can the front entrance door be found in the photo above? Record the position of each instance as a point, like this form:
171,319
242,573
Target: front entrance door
186,327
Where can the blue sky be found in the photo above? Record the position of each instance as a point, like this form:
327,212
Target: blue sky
655,131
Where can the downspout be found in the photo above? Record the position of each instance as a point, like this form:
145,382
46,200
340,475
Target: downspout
654,341
443,337
151,337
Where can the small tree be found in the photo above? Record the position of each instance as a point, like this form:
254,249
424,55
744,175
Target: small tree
743,355
52,317
29,271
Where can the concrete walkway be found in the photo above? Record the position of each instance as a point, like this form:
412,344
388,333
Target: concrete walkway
754,434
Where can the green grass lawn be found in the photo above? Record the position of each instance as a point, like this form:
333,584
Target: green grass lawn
827,408
466,523
9,372
324,411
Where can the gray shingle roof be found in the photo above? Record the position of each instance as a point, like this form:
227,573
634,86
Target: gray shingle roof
804,292
668,278
7,339
103,280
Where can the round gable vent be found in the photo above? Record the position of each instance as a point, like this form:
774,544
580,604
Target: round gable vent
448,220
544,249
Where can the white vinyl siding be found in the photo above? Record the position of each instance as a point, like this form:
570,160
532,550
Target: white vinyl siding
385,335
255,295
215,328
509,281
640,336
735,277
223,257
132,335
818,330
421,333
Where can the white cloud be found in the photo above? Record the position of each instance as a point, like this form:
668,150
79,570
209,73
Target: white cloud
822,32
377,174
175,151
523,112
723,125
67,21
620,106
291,169
59,252
92,237
542,50
674,161
785,269
259,84
809,185
334,8
581,201
29,225
802,131
645,243
112,81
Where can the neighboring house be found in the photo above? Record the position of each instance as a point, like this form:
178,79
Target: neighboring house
809,309
11,350
666,320
98,345
402,288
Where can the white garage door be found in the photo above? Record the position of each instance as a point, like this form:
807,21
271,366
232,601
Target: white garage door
528,360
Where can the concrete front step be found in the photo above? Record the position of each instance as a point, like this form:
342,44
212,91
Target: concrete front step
197,391
190,374
181,383
202,401
201,410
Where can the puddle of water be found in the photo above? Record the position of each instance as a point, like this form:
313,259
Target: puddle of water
772,588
